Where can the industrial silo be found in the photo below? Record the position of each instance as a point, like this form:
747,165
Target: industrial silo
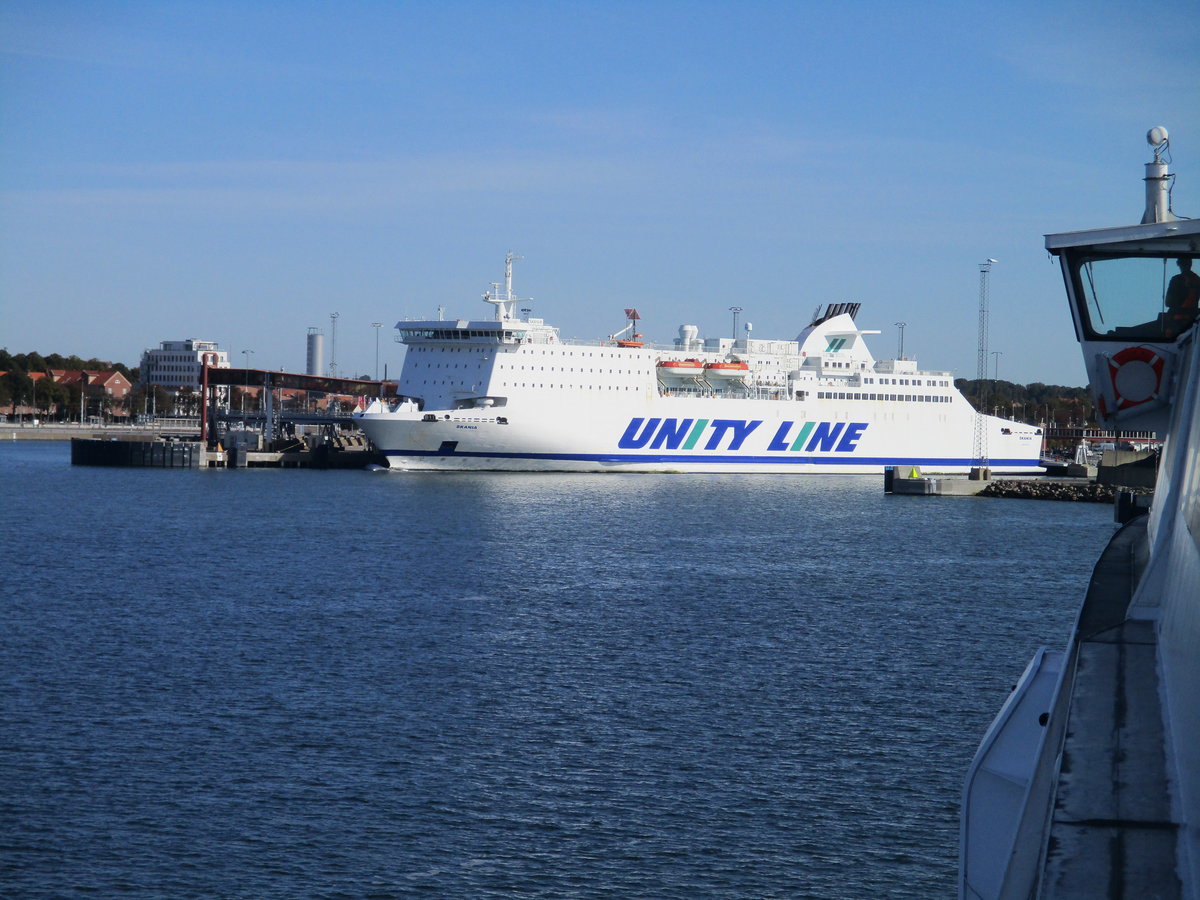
315,361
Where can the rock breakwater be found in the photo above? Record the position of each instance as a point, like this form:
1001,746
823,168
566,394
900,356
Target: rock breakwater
1079,491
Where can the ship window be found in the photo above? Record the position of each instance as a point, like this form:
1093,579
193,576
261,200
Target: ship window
1124,298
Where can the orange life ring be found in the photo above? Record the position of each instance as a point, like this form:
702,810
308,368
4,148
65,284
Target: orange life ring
1137,376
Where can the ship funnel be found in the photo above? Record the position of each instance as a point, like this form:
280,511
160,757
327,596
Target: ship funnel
1158,179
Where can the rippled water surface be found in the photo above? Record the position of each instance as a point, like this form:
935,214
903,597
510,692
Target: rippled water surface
350,684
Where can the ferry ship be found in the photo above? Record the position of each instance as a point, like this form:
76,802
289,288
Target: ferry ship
1087,784
507,393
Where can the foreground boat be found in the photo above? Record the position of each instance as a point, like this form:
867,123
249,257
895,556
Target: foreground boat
1088,782
507,393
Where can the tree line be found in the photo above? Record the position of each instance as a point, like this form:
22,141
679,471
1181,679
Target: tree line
1036,404
64,400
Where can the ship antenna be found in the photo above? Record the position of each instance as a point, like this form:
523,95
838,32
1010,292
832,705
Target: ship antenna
1158,180
506,301
508,261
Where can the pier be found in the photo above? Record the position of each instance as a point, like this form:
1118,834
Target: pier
223,438
345,451
1125,479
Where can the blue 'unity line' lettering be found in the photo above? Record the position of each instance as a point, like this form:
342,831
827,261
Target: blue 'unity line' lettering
741,430
739,427
849,441
671,434
632,439
825,436
719,427
779,442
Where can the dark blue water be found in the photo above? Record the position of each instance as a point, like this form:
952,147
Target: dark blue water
349,684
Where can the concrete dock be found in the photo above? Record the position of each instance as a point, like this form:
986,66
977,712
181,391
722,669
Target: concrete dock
347,452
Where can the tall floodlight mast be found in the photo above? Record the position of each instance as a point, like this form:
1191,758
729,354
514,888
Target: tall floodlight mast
980,470
376,326
333,317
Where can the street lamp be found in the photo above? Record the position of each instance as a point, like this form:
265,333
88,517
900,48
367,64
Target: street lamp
246,354
376,326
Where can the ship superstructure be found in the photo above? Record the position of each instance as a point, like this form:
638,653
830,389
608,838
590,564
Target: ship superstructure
509,393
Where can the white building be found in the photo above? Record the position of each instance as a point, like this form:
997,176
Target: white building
177,364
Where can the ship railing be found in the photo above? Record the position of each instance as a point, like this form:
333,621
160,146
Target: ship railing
741,393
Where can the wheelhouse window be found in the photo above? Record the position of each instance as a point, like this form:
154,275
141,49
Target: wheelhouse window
1128,297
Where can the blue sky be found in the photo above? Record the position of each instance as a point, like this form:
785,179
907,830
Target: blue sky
238,171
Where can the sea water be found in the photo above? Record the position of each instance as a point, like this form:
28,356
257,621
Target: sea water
265,683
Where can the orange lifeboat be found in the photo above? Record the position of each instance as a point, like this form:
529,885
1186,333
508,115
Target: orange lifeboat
734,369
680,368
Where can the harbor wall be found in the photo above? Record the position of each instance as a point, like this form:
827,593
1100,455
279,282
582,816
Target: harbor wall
150,454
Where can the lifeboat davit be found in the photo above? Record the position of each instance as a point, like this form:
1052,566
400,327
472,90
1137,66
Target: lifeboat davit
735,369
680,368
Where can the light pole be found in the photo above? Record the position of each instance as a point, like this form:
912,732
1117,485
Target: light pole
376,326
981,472
333,317
246,354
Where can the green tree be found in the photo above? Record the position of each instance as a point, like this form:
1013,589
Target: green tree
16,388
53,398
32,362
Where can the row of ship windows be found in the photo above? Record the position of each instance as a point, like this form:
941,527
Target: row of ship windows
590,353
906,382
847,395
915,382
590,387
538,369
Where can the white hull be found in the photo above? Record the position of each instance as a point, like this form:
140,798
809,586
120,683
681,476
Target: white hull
697,435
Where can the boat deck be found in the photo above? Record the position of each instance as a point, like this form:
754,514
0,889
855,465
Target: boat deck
1113,833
